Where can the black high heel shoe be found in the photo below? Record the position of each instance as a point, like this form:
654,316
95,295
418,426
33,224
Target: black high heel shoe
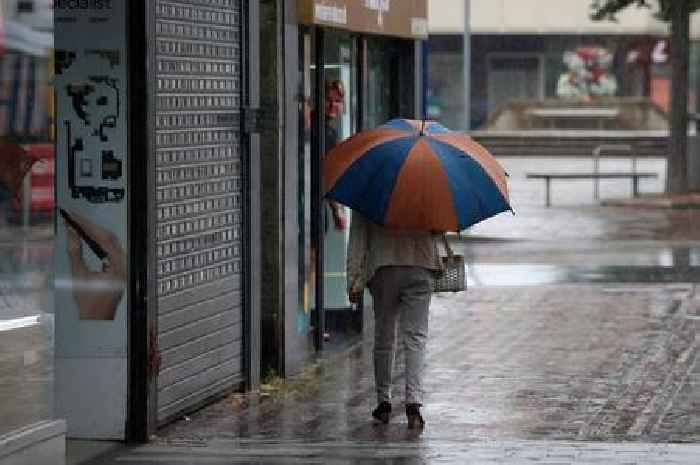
382,412
415,420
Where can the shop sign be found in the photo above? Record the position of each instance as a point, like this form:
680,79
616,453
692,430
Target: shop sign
402,18
331,14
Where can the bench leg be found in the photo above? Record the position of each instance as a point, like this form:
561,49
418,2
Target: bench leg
635,186
596,188
548,202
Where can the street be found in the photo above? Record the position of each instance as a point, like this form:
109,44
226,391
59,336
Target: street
576,343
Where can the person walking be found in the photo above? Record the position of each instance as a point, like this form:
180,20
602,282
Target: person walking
396,266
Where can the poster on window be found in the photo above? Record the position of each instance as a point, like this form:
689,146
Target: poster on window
91,266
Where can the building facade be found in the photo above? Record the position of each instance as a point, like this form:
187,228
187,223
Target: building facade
519,53
163,234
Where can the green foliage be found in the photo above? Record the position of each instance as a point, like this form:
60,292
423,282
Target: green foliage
603,10
270,376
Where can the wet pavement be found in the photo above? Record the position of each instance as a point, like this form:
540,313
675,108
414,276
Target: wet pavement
418,453
562,362
575,344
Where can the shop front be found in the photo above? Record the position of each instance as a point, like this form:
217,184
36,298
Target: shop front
359,66
127,290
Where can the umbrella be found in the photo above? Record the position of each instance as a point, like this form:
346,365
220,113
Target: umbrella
416,175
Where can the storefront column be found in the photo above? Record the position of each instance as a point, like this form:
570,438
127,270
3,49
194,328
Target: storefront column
282,349
92,266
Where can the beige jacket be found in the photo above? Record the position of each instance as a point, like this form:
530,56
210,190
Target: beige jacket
372,246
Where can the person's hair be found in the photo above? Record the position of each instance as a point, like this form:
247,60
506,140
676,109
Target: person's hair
336,85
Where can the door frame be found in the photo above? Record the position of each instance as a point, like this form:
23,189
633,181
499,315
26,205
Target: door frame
139,420
252,259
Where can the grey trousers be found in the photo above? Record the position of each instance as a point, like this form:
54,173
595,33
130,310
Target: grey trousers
401,297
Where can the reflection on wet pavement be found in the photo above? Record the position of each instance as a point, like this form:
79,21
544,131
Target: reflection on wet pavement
537,275
564,362
422,453
583,245
589,223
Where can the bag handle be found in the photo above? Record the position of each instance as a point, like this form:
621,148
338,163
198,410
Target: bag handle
448,249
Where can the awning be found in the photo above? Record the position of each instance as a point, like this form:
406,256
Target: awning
399,18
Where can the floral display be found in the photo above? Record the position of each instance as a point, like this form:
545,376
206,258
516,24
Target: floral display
588,75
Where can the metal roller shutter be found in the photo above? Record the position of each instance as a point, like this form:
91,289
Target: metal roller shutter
199,200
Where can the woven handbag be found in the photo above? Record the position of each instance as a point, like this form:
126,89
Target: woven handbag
451,277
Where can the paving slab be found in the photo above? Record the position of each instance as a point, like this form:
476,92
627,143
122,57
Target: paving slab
412,452
593,361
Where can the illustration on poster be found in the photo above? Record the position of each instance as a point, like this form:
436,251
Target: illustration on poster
97,293
94,166
82,4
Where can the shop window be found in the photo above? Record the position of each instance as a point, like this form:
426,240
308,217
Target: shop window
25,6
26,221
514,78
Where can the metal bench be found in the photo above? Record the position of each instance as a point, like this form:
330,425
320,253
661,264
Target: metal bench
634,176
